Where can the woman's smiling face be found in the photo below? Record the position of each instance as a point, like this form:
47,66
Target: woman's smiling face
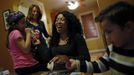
35,13
61,24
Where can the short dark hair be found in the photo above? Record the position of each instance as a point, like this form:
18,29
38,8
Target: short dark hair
119,13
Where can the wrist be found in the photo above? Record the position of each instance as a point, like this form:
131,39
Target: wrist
77,65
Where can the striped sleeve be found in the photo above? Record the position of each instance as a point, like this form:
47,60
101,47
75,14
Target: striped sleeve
121,63
97,66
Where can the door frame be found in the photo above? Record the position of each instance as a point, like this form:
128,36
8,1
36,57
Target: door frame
96,27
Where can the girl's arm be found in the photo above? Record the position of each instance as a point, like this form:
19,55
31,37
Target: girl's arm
25,45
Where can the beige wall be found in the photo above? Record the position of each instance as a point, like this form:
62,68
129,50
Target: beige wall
104,3
94,44
49,20
5,59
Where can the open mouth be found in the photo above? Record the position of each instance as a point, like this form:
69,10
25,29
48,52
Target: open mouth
59,27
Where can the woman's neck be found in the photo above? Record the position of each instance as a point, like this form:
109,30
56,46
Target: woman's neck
34,22
63,39
63,36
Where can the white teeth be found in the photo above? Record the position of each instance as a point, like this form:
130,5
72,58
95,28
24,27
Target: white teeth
59,27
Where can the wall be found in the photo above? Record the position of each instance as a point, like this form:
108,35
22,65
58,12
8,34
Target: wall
49,20
104,3
98,43
5,59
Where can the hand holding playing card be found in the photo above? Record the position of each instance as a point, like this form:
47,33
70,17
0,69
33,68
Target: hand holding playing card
50,65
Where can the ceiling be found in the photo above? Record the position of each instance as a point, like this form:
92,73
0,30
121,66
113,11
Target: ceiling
61,4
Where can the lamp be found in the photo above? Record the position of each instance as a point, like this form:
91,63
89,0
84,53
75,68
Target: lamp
72,4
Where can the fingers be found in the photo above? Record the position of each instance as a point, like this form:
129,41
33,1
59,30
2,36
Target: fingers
28,30
60,59
71,64
68,65
54,59
50,66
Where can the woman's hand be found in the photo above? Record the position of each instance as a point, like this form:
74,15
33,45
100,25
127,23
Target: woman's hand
72,64
60,59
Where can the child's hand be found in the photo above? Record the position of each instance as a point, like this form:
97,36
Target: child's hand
71,64
28,30
37,41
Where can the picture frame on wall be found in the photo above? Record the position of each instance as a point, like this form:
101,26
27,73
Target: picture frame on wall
5,15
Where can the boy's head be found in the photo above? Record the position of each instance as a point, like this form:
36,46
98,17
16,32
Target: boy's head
118,24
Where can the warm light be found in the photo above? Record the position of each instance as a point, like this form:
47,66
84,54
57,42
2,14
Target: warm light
72,5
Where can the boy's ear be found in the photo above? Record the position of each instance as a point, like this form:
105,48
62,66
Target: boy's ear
130,26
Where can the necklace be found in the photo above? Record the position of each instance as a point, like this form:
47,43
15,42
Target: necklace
34,23
63,42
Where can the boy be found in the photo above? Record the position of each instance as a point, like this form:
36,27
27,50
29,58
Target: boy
118,24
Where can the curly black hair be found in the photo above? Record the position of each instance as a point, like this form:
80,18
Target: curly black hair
74,27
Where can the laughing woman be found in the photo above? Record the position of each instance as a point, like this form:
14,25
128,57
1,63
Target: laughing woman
67,40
